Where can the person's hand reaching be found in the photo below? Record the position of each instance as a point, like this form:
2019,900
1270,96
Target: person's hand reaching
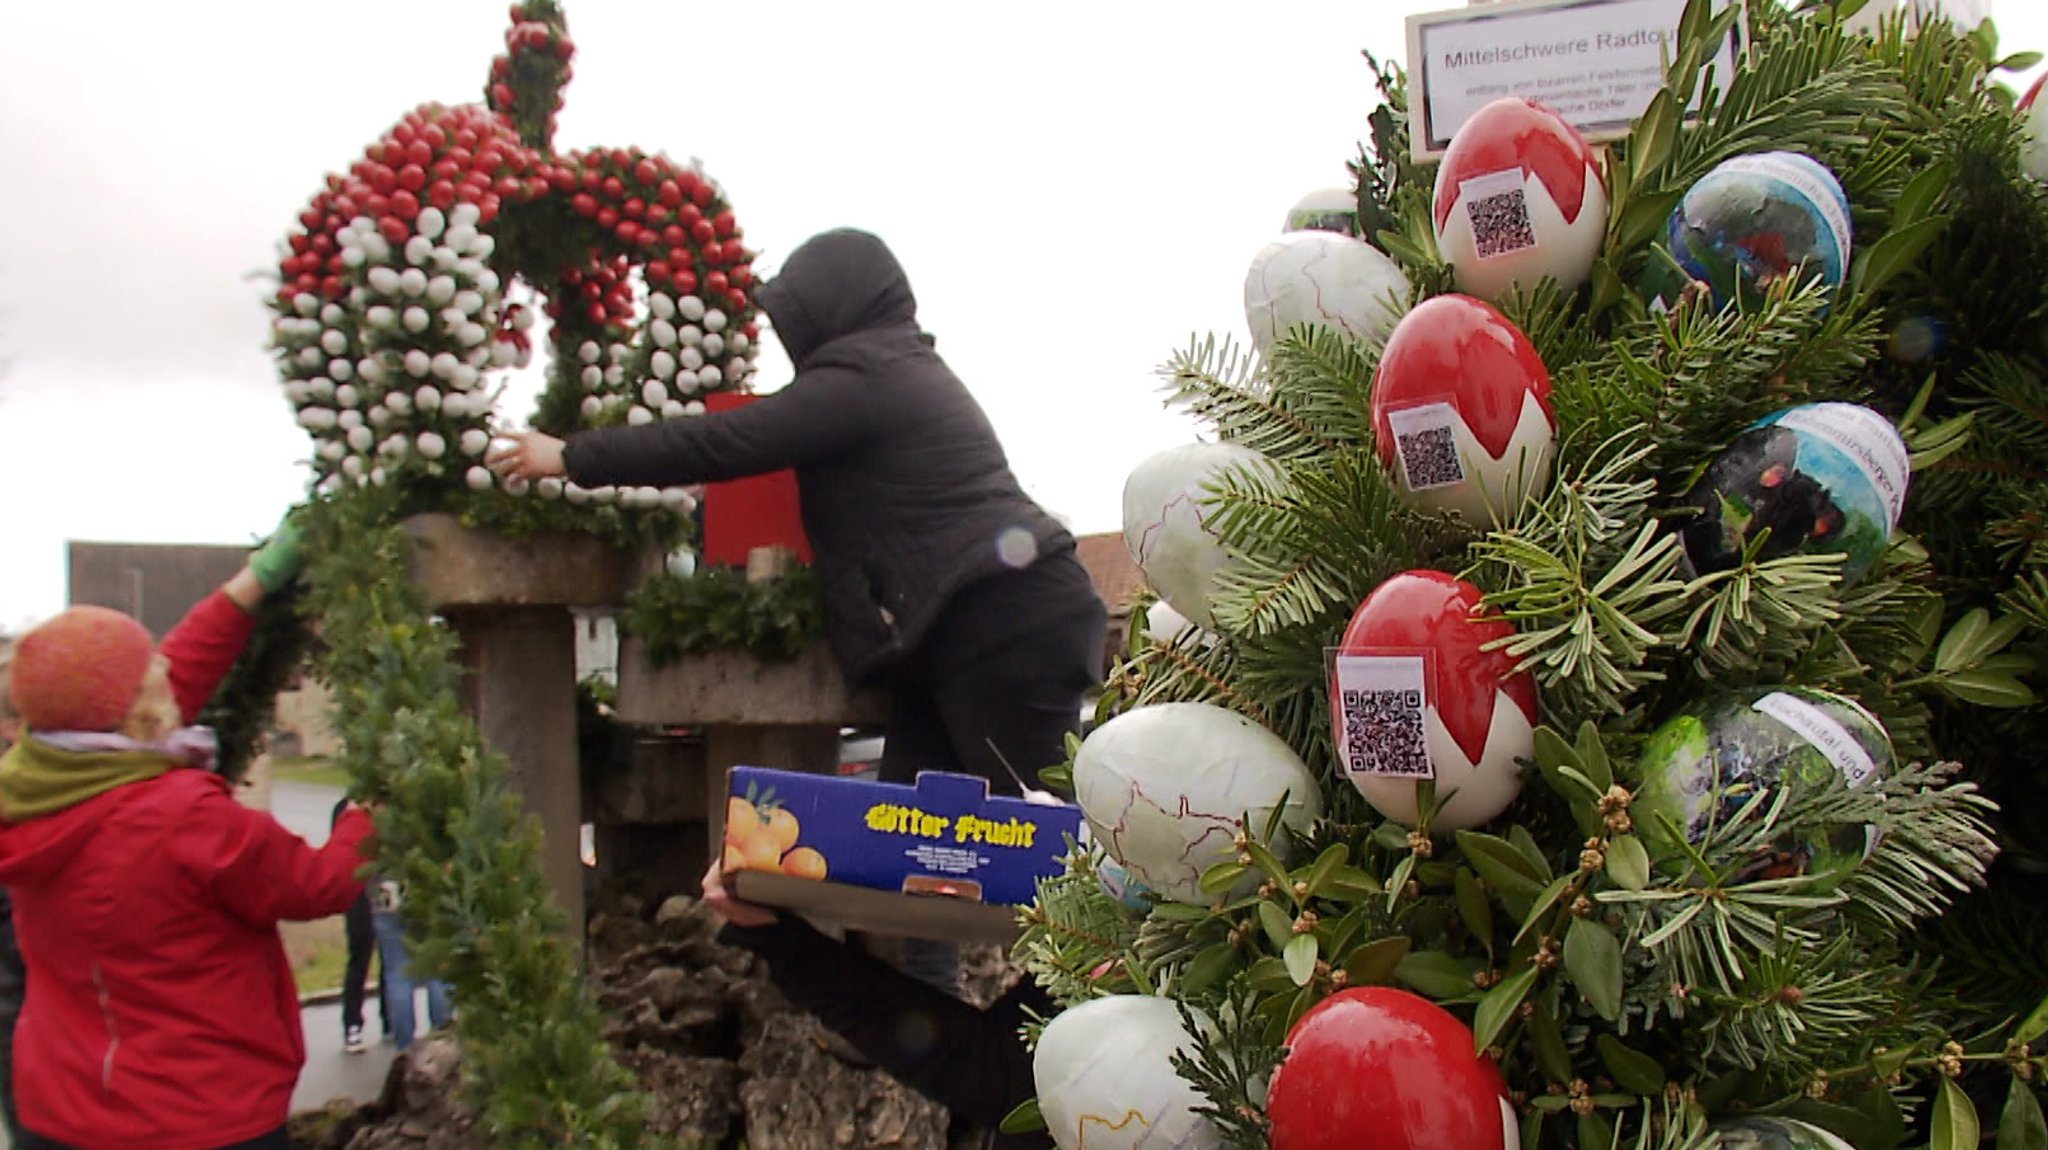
729,908
527,455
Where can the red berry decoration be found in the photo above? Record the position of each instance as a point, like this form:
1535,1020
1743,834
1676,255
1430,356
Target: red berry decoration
1372,1068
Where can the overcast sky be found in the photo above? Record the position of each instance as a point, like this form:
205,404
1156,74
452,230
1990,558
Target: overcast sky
1075,188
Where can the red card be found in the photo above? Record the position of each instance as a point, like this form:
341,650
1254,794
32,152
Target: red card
759,511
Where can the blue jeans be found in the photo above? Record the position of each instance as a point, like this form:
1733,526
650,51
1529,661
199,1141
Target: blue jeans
398,985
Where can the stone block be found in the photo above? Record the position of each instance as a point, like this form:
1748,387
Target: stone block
455,566
733,688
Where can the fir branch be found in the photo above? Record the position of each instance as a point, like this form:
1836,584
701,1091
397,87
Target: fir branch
1073,933
1226,387
1231,1068
244,706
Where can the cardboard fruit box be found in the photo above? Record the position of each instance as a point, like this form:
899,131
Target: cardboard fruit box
942,859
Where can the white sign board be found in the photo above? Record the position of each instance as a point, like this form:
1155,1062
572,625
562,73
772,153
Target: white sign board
1597,63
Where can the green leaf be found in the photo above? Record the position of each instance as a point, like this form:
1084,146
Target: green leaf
1499,863
1279,928
1592,956
1266,862
1959,648
1435,974
1891,1062
1474,908
1300,956
1350,883
1532,852
1595,1132
1546,1042
1955,1119
1326,866
1497,1007
2035,1026
1025,1119
1269,974
1220,878
1877,265
1593,753
1374,963
1632,1070
1987,689
1208,968
1628,862
1921,193
2021,1126
1544,902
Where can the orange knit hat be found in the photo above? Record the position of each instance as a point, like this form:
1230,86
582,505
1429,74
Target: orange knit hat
80,670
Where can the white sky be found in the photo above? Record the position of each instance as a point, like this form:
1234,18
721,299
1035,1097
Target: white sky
1073,187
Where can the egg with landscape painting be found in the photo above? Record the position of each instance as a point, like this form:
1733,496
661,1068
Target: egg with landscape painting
1168,501
1519,198
1762,1133
1103,1070
1165,787
1702,767
1821,478
1325,280
1324,210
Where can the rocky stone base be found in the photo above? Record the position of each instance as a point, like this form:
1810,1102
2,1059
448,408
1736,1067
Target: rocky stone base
725,1057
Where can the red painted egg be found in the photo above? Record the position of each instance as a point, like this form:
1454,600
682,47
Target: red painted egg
1415,695
1374,1068
1461,410
1519,196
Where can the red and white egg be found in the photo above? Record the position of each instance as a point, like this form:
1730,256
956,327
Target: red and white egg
1382,1068
1461,410
1417,696
1519,197
2034,144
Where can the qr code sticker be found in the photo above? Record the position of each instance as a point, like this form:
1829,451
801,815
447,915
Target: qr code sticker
1384,734
1381,729
1498,207
1426,440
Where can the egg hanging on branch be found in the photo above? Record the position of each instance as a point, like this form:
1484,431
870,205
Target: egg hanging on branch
1461,411
1167,507
1752,222
1326,280
1379,1068
1822,478
1164,788
1416,696
1519,197
1104,1074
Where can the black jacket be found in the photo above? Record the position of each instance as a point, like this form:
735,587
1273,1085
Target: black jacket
906,494
972,1062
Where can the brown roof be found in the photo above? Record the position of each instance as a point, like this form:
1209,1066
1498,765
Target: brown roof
156,583
1109,563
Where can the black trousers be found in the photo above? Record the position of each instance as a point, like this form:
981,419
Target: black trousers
362,944
13,987
275,1140
996,687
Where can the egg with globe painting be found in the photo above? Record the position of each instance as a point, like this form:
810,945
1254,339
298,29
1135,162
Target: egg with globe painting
1820,478
1761,1133
1701,768
1752,223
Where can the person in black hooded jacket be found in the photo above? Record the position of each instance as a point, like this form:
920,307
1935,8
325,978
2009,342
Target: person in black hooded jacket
942,578
943,581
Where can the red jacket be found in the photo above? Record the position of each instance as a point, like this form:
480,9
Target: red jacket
161,1012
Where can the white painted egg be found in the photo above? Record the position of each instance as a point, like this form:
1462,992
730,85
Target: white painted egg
1164,787
1324,279
1166,524
1104,1074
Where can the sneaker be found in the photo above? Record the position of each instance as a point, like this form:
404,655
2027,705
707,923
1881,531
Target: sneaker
352,1040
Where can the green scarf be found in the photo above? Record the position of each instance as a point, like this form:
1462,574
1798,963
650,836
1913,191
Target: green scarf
37,779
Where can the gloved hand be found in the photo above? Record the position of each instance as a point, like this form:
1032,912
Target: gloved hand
276,563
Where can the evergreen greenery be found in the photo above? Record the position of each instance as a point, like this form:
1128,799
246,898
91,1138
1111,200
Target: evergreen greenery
1629,1006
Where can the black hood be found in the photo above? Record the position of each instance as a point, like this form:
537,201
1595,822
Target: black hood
835,284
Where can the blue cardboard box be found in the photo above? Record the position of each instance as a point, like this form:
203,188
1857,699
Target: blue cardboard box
941,859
